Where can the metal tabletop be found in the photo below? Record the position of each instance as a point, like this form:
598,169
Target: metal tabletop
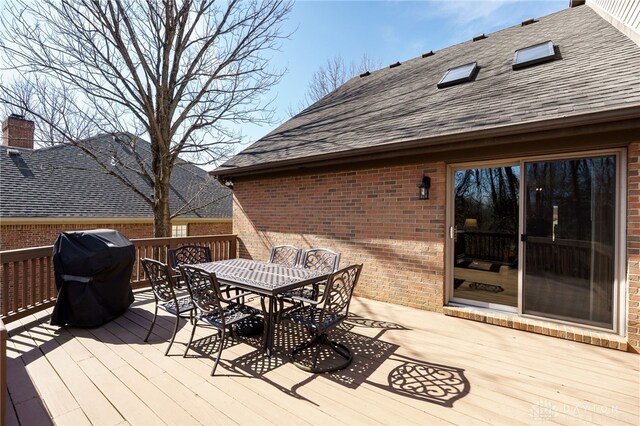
268,279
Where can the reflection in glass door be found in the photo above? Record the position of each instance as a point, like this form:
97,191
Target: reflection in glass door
569,226
485,235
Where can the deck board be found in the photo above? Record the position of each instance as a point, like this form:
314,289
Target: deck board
51,388
540,374
95,406
11,418
23,400
108,375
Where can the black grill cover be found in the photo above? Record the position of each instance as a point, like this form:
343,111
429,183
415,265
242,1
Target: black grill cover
93,273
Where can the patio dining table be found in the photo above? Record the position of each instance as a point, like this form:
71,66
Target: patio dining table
266,279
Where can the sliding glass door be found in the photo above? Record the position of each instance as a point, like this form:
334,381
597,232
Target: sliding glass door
539,237
485,235
570,240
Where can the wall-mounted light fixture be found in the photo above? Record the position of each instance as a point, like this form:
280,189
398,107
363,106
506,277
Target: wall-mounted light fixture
424,188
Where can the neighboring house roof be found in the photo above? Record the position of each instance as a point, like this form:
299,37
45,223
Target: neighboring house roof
597,72
63,181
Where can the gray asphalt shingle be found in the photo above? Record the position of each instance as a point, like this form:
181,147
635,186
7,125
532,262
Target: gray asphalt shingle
598,70
63,181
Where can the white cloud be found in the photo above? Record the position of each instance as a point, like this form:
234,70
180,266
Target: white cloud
467,18
464,13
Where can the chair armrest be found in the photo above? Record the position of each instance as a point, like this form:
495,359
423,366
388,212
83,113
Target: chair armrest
305,300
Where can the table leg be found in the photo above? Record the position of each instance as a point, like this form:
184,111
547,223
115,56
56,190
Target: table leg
269,327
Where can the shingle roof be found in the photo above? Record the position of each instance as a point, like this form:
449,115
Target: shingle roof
598,71
63,181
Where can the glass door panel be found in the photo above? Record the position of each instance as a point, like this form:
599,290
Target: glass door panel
486,235
569,214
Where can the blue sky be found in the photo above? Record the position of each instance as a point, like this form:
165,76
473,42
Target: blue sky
386,31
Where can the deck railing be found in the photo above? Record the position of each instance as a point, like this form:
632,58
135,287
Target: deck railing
222,247
27,282
490,246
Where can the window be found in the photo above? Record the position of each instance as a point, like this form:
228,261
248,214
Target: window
178,230
458,75
533,55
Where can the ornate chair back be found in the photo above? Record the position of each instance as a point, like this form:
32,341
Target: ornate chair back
159,276
340,286
204,290
285,255
189,255
321,259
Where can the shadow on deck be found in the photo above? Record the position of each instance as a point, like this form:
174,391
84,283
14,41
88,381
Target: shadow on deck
410,367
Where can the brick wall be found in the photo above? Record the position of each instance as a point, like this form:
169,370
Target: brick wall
633,245
371,216
22,236
210,228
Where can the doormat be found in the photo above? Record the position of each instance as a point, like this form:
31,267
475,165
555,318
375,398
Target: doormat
480,265
486,287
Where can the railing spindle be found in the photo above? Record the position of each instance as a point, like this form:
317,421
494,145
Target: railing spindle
4,307
25,275
49,285
33,284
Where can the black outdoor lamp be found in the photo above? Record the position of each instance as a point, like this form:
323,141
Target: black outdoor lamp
424,188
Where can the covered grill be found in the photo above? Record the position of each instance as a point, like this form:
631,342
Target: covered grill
93,273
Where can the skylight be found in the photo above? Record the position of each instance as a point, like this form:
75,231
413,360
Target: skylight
458,75
532,55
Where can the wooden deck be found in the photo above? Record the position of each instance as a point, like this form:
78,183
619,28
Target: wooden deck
410,367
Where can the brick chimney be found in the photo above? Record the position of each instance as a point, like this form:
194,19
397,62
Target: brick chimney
17,132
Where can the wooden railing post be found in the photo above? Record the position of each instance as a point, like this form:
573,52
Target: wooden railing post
233,248
4,336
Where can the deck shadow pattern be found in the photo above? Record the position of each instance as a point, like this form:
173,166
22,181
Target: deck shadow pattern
417,379
422,380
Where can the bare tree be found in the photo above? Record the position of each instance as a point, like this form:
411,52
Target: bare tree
49,107
181,72
331,75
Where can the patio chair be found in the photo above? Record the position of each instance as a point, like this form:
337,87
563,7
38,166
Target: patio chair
285,255
162,283
317,259
207,297
321,316
187,255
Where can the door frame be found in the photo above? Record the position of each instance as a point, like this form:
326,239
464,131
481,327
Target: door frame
449,243
620,289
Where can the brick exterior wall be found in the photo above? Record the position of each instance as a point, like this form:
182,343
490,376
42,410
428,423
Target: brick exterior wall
210,228
633,245
22,236
371,216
